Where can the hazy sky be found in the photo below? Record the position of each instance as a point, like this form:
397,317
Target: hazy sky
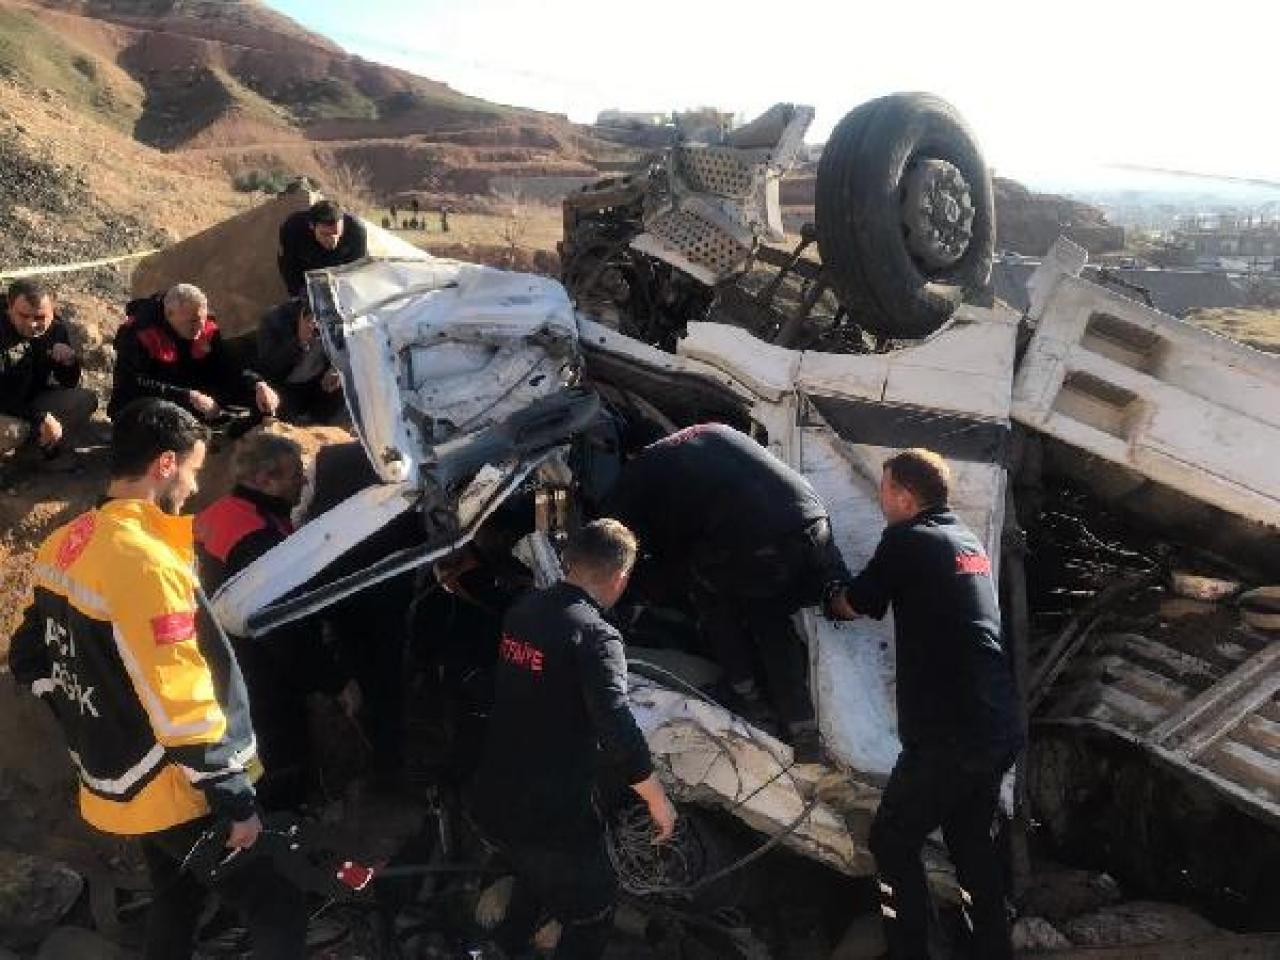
1052,89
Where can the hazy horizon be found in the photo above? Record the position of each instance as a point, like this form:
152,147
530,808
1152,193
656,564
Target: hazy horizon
1050,99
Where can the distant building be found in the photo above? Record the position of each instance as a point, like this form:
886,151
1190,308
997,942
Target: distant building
1230,241
631,119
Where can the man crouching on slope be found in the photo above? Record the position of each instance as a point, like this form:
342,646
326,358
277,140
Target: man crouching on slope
121,646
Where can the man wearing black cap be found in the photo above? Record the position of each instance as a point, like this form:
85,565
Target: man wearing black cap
322,236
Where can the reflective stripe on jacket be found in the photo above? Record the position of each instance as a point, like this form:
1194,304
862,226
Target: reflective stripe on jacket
144,685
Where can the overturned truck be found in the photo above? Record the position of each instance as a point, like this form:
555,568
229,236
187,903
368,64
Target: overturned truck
475,392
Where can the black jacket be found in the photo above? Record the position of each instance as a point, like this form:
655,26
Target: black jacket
712,496
560,700
299,251
283,667
955,684
233,532
153,361
279,349
26,369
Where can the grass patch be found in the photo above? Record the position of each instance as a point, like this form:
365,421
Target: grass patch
265,181
1257,327
329,98
35,56
405,102
180,106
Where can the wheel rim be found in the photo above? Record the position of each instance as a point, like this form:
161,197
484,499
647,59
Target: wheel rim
937,213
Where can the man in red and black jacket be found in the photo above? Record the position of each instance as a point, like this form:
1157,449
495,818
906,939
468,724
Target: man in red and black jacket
284,667
170,348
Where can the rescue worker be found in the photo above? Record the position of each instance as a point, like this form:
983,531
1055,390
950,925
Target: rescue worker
319,237
561,698
284,667
171,348
41,399
120,644
293,359
371,625
957,716
755,542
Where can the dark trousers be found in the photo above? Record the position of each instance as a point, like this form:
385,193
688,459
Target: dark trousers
955,787
309,402
274,910
571,881
745,634
746,599
72,406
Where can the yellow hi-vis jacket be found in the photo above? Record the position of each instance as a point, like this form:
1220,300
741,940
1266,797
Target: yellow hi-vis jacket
120,644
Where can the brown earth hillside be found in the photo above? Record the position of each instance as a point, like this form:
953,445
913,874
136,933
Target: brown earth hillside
263,96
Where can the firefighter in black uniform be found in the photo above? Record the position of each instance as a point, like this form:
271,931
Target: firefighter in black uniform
756,543
561,699
957,717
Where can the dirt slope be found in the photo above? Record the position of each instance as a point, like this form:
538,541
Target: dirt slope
268,99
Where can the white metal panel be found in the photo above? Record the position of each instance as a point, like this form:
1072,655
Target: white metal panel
1187,409
768,370
306,552
966,368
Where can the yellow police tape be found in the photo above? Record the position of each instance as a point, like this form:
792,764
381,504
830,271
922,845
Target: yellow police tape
21,272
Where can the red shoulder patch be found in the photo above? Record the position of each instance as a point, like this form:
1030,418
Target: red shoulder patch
975,563
203,342
79,533
170,628
158,346
224,523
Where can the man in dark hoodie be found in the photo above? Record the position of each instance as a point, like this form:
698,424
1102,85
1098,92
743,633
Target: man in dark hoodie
41,399
170,348
753,542
292,358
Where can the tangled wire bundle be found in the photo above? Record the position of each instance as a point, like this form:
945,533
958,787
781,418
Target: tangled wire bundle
645,868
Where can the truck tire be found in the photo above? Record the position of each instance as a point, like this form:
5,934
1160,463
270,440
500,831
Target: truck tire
905,214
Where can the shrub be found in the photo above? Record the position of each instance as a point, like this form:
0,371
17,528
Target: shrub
264,181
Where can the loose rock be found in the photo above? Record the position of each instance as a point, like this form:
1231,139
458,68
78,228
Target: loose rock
76,943
35,894
1137,922
1037,933
1059,893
